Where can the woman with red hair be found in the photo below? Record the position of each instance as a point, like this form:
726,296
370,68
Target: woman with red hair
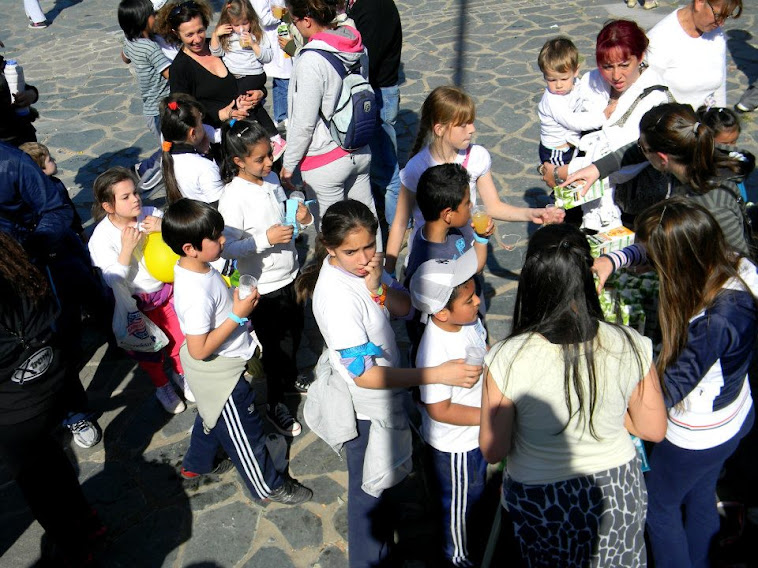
623,86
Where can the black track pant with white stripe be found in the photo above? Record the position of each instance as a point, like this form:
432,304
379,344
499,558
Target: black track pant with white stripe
460,481
239,431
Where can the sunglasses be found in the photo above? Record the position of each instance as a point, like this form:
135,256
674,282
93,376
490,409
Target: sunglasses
179,7
718,18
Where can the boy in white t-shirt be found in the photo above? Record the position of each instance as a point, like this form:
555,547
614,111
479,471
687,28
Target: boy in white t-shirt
219,343
560,111
444,290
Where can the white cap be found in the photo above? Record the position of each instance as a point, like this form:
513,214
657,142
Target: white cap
158,4
433,282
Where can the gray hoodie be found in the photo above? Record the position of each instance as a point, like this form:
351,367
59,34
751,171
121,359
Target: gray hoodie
313,92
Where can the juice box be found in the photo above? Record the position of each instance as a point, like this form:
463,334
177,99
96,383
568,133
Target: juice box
570,196
614,239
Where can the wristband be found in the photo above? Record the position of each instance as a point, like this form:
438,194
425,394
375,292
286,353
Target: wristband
234,317
380,296
482,240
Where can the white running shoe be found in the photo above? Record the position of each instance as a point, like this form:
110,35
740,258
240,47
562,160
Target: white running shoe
170,401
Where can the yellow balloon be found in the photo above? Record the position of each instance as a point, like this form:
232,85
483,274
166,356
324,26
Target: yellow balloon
159,258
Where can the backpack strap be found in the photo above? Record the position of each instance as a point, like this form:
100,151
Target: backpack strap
468,155
338,64
645,92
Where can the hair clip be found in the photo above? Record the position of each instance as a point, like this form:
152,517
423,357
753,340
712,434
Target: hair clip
232,122
166,146
663,212
694,127
173,105
241,132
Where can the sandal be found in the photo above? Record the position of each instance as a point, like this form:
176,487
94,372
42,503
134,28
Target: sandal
650,5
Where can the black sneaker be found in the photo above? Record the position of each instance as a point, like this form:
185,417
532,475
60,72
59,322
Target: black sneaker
283,421
291,492
302,383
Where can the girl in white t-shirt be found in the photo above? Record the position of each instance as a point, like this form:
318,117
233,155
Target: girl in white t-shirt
187,170
253,206
353,300
116,248
444,136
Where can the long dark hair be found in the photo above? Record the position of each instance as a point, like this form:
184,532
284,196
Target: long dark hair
557,299
674,129
179,112
322,12
341,219
238,138
19,278
687,248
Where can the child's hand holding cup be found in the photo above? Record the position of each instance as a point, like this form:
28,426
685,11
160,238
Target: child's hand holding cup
481,221
246,286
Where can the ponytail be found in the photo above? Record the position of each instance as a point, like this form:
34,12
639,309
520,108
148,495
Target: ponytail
674,129
179,113
306,280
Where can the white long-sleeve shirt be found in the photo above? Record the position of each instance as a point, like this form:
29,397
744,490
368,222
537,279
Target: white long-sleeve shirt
694,68
563,118
243,61
249,210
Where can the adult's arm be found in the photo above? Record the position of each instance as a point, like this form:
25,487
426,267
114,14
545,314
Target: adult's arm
31,208
624,156
647,416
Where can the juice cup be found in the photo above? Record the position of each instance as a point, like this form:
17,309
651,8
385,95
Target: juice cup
480,219
278,11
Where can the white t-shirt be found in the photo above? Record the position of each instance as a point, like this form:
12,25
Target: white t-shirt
252,209
436,347
563,117
348,317
105,248
529,370
694,68
478,164
202,303
198,177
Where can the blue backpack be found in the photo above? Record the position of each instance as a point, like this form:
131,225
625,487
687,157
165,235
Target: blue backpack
353,121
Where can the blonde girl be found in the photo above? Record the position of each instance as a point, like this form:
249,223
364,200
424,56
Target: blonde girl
239,40
116,248
444,136
187,170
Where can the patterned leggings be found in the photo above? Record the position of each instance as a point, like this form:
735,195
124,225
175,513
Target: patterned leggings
596,520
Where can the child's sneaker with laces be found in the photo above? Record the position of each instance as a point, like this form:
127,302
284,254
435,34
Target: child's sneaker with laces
181,382
170,401
291,492
86,433
283,420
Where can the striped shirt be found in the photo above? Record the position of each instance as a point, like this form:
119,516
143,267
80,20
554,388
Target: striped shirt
149,62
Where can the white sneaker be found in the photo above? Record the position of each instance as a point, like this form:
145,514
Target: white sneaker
181,382
86,433
167,397
278,146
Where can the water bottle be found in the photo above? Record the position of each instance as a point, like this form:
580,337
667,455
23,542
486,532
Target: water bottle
290,210
14,75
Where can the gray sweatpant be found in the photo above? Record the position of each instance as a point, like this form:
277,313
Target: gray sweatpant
347,177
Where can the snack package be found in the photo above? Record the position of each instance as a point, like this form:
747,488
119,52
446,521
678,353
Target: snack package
570,196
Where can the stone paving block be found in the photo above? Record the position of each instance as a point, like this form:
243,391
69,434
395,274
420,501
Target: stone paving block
233,528
298,525
153,541
317,459
339,521
332,557
269,557
325,490
76,141
210,495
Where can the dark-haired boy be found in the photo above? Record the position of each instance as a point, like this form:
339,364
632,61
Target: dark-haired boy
219,342
444,290
443,197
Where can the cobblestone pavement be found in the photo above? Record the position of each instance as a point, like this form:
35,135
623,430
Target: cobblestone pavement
91,119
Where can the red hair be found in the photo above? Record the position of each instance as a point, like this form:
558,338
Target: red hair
622,37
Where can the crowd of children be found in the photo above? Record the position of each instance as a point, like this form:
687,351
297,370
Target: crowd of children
229,213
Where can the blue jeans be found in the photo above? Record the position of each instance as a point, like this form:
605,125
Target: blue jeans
680,477
385,174
281,86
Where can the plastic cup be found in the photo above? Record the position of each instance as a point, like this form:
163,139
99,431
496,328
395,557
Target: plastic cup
246,285
278,11
480,219
475,355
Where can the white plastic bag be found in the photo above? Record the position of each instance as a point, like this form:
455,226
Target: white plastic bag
133,330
